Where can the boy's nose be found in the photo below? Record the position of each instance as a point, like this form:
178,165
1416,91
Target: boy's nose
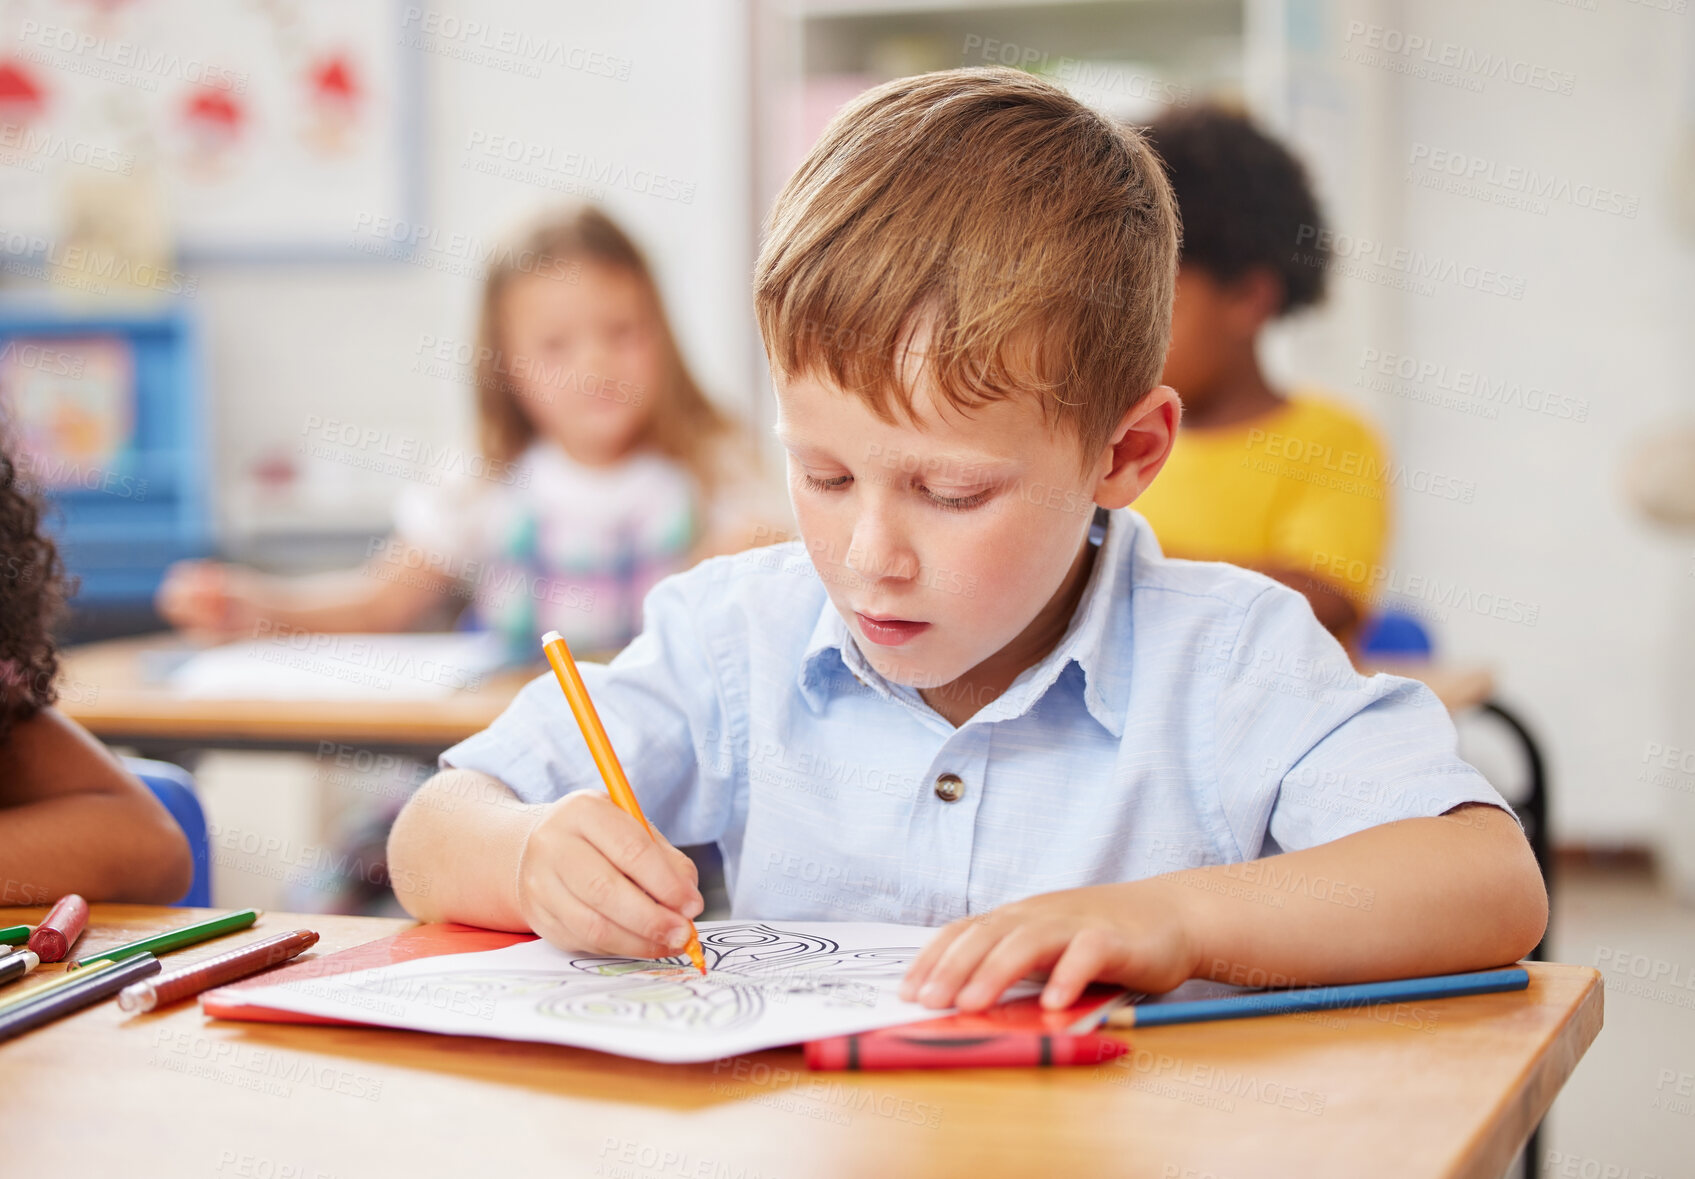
878,552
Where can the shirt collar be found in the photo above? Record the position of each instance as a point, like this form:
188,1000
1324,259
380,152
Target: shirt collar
1097,640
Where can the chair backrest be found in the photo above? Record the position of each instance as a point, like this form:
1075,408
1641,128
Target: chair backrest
174,787
1392,633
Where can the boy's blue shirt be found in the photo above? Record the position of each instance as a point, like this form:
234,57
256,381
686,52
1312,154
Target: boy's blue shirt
1192,713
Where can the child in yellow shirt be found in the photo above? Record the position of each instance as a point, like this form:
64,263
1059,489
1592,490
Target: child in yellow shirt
1291,484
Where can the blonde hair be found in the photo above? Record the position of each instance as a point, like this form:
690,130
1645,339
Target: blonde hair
1033,241
682,422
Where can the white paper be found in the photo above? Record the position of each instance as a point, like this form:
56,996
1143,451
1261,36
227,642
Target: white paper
311,666
767,985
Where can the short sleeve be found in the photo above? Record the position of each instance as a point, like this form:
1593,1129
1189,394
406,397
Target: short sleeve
663,710
439,519
1311,751
1337,521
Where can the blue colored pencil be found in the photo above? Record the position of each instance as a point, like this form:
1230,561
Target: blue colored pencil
96,985
1436,986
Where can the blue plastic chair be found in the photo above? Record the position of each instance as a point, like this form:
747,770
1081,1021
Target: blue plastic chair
1392,634
174,787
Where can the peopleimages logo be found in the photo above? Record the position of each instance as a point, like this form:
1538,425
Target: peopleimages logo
92,268
1488,389
1404,588
576,165
1101,81
1356,472
1488,179
412,456
451,250
122,61
512,50
1413,264
1418,55
32,148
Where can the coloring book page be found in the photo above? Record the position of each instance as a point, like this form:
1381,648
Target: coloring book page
766,985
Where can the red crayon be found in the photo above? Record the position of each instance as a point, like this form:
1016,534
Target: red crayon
63,924
889,1049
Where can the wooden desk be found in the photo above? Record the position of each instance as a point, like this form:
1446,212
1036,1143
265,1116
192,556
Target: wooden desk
106,687
1449,1088
1458,688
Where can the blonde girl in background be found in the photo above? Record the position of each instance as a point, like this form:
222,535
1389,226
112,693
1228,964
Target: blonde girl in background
604,467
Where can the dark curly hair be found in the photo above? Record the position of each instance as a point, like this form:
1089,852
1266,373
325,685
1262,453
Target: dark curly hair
1244,201
32,594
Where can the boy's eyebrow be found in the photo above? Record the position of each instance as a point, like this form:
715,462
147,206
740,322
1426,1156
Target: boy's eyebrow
932,464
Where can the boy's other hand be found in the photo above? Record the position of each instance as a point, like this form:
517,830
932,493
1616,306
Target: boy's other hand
591,878
1116,933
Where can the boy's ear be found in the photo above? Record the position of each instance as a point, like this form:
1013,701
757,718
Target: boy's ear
1139,447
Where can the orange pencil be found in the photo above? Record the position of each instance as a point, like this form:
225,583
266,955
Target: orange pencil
600,748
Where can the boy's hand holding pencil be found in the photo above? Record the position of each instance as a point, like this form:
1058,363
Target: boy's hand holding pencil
622,892
591,878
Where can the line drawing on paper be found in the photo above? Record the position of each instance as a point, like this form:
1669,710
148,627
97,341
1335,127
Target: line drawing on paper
751,966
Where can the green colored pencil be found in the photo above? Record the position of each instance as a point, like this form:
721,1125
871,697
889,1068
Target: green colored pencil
14,935
176,939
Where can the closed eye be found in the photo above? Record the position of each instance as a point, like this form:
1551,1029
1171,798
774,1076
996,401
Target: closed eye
948,503
957,504
833,484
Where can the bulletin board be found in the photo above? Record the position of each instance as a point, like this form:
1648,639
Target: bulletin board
259,128
70,404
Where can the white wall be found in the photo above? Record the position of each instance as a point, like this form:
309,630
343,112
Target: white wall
287,345
1603,320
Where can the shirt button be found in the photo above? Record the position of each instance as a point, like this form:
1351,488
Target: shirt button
950,788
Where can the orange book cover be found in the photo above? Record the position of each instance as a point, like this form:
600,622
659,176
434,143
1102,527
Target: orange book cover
422,941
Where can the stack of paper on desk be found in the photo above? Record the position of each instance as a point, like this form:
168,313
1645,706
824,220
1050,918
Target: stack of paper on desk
307,666
766,985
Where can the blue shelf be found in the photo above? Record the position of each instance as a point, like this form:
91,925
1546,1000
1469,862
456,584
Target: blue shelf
123,523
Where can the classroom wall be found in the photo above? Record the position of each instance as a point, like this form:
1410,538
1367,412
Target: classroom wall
280,355
1528,508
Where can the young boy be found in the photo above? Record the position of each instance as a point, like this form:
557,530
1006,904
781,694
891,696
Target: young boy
1293,486
975,693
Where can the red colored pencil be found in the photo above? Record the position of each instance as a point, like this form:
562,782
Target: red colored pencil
184,983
